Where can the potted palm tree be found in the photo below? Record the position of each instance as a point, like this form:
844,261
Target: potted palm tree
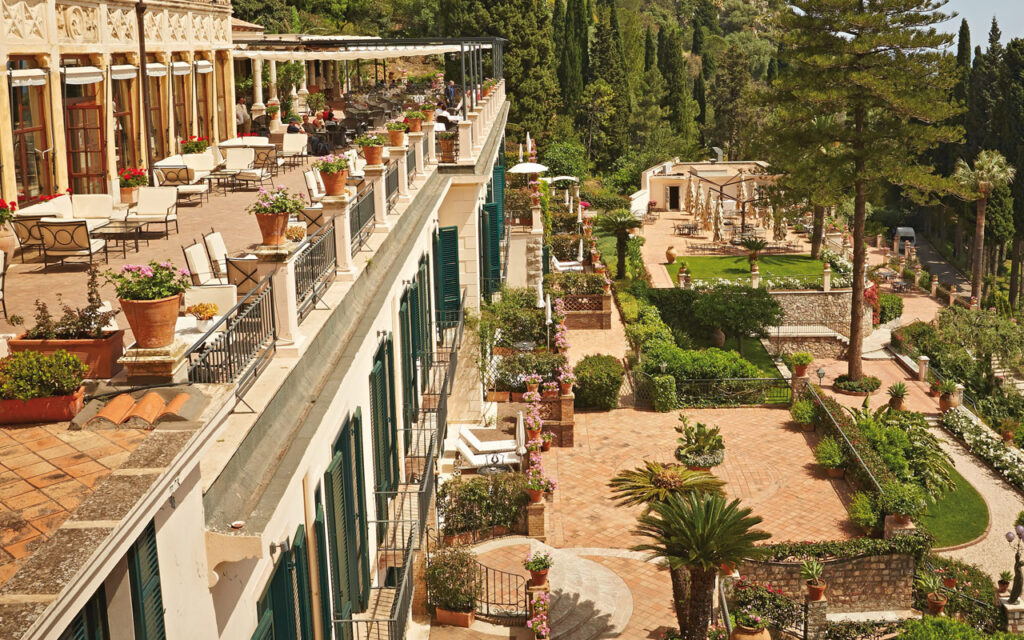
754,246
452,586
897,395
991,171
618,223
1004,582
931,585
373,148
829,454
697,533
272,210
150,296
811,571
701,447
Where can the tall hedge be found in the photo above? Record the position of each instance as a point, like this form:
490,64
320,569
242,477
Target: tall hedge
598,380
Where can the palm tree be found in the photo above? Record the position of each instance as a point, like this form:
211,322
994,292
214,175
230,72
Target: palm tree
755,246
655,482
991,171
698,533
619,223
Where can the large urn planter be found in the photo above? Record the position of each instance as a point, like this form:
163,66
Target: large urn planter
718,338
945,402
52,409
463,619
800,370
739,632
334,183
397,137
152,321
129,195
670,255
273,227
373,155
100,355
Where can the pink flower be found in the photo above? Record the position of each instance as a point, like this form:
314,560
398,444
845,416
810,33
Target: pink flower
184,272
165,265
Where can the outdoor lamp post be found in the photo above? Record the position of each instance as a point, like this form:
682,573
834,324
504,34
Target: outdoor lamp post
821,375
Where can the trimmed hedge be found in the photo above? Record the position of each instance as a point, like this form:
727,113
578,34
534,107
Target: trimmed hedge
867,384
598,380
890,307
664,390
565,246
915,544
574,283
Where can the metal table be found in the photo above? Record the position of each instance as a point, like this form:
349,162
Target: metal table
121,231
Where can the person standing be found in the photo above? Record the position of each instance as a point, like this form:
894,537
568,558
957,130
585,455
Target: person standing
243,121
449,94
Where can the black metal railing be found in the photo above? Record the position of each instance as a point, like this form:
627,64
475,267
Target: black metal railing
733,391
315,267
410,164
391,183
426,147
723,607
388,614
238,346
850,449
360,221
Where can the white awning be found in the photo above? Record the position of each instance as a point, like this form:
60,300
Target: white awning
204,66
180,68
362,52
27,77
124,72
82,75
155,69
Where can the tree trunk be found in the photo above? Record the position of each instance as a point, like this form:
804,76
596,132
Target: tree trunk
620,249
680,594
1015,272
855,368
702,598
817,232
979,246
958,235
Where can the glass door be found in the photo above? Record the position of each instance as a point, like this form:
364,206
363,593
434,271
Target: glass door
32,169
126,141
86,149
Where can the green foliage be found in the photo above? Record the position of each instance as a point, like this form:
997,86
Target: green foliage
897,391
942,628
30,374
976,609
316,101
802,412
776,611
574,283
902,498
829,453
566,158
477,504
861,630
801,358
564,246
598,380
915,544
511,370
655,482
890,307
738,310
154,281
663,389
81,323
864,511
701,446
451,578
867,384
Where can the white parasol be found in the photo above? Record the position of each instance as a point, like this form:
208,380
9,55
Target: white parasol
528,167
719,220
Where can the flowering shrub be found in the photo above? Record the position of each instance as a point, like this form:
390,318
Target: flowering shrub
984,443
539,622
154,281
749,618
278,201
331,164
550,386
195,144
566,375
371,140
396,126
132,177
7,211
533,378
538,561
536,480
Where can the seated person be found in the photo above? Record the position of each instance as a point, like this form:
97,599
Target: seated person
293,126
327,115
318,123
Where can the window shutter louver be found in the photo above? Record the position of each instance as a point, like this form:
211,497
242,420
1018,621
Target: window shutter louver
147,598
334,496
449,273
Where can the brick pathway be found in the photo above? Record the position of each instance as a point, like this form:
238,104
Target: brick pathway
45,473
889,372
652,596
768,464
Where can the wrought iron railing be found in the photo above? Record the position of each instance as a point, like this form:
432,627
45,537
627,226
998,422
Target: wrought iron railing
391,183
390,603
315,267
723,607
360,219
733,391
850,449
238,346
426,146
410,164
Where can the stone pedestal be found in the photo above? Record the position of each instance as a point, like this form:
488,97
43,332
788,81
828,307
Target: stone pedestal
279,261
431,144
398,155
826,277
339,208
755,277
416,146
817,611
1014,615
155,366
536,520
893,528
536,221
798,384
923,364
935,286
917,274
465,152
375,174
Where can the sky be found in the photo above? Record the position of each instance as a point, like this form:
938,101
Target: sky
1009,14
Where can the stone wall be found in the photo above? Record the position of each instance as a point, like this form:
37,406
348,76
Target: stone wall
818,346
588,312
828,308
868,583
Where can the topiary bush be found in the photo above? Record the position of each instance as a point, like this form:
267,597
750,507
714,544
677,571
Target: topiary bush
802,412
867,384
31,374
890,307
663,388
598,380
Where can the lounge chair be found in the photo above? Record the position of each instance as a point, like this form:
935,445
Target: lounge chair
294,148
156,205
217,252
568,265
240,163
316,194
199,266
26,228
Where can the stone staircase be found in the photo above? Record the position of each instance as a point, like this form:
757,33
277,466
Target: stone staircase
588,601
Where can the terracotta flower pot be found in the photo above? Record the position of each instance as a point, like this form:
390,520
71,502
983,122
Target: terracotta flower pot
273,227
152,321
532,435
949,583
428,115
807,427
895,404
463,619
945,403
373,155
727,568
800,370
52,409
535,495
936,603
901,518
497,396
549,394
746,633
447,150
100,355
1007,436
836,473
566,389
1004,586
334,183
129,195
415,125
532,386
693,468
545,445
816,591
397,137
537,578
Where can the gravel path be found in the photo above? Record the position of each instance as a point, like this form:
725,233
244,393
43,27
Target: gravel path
1004,503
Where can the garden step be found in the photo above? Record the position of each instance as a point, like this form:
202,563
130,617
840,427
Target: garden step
874,616
588,601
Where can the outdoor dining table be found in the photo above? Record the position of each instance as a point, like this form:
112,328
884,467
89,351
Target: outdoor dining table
686,228
899,286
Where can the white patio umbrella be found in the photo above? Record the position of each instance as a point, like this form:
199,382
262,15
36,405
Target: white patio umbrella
520,152
520,436
529,147
540,295
718,221
579,254
528,167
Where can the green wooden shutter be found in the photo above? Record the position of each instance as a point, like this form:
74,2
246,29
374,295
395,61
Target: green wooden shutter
265,627
275,609
381,467
303,583
438,284
450,298
499,197
91,621
334,496
326,619
392,425
147,598
359,577
493,247
546,260
408,364
427,344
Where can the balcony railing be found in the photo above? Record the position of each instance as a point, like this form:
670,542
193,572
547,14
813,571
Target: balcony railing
361,219
315,267
240,344
426,145
410,165
391,183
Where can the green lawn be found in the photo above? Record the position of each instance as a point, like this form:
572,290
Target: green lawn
957,516
732,267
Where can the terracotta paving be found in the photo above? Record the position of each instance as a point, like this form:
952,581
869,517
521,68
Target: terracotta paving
651,588
769,465
889,372
45,473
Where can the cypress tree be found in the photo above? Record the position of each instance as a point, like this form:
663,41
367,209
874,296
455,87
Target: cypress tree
570,69
526,24
697,47
984,119
679,99
607,64
700,94
773,71
662,49
650,53
558,28
1013,105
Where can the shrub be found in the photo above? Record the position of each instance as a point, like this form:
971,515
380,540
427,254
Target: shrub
801,358
890,307
663,389
871,630
575,283
982,442
603,199
701,446
31,374
914,544
802,412
777,612
511,370
481,503
566,158
451,579
867,384
598,380
902,498
864,511
82,323
829,453
565,246
935,628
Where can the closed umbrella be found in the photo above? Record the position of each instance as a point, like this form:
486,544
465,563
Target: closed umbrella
520,436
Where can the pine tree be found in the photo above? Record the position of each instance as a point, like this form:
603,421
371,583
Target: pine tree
534,98
683,111
892,47
650,53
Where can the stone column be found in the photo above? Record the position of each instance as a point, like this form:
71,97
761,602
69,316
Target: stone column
537,222
826,277
398,154
923,364
935,285
8,182
958,397
431,144
952,294
339,208
817,610
917,274
479,129
466,154
1014,615
227,93
375,175
755,276
880,241
303,88
536,519
59,154
258,108
893,528
797,385
275,122
416,147
280,262
110,157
